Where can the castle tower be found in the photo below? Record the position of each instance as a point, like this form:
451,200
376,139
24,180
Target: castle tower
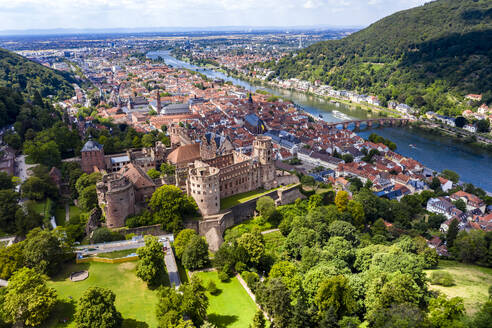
203,185
116,198
208,146
263,149
92,157
263,152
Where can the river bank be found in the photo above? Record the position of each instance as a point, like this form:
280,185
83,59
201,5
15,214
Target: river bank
434,151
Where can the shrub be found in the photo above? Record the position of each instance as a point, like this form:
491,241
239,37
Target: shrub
251,279
240,267
103,235
223,276
212,288
442,278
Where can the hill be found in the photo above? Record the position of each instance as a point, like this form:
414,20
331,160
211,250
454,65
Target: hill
26,76
415,56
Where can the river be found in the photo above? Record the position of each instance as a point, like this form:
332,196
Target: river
436,152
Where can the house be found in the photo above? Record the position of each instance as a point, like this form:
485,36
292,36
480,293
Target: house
484,109
445,184
441,205
472,202
474,97
470,127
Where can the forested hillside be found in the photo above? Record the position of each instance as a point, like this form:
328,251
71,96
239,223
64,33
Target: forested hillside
415,56
26,76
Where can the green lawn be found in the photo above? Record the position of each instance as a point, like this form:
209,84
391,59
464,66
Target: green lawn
117,254
60,215
133,299
471,283
231,201
232,307
39,206
74,211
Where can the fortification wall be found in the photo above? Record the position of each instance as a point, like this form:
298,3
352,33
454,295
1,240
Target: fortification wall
214,227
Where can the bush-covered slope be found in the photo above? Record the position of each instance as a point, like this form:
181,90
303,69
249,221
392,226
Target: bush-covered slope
26,76
415,56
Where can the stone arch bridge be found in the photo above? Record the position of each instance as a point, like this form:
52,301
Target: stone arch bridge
368,123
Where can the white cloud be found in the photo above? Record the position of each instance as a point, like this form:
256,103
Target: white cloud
29,14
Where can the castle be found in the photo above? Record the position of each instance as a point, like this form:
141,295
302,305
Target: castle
208,171
211,179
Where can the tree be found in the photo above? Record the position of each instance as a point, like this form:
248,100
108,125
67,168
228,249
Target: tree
87,180
450,175
96,309
150,266
44,251
265,206
348,158
483,318
5,181
169,206
471,246
445,312
308,180
195,255
103,234
460,204
148,140
335,293
258,320
28,301
343,229
167,169
153,173
9,204
483,126
182,240
254,246
341,200
11,260
88,198
356,210
435,183
460,121
189,300
275,299
453,230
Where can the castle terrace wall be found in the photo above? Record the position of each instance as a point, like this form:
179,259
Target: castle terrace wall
154,230
238,214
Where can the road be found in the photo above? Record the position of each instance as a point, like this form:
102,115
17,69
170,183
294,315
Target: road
171,266
169,260
21,167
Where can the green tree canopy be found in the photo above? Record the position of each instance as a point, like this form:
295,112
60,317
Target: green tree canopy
29,301
150,266
96,309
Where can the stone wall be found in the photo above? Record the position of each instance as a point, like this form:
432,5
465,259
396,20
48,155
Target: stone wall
213,227
154,230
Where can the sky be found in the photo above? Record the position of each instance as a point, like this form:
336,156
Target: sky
86,14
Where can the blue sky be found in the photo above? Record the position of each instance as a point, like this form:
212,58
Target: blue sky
48,14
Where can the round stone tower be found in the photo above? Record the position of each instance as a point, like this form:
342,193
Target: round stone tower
203,186
116,197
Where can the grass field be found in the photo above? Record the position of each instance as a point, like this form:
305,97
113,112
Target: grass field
471,283
231,201
232,307
60,215
117,254
133,299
